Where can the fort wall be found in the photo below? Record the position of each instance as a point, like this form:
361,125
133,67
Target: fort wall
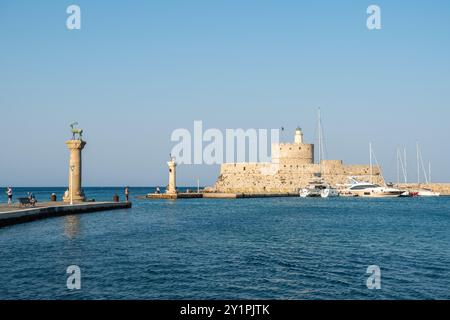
273,177
292,168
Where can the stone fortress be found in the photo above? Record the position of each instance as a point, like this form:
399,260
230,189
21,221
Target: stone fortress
291,169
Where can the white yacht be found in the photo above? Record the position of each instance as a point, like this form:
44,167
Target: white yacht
369,189
365,189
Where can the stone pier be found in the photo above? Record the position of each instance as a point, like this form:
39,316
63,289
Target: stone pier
10,215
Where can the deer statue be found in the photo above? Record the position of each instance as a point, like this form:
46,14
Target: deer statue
75,131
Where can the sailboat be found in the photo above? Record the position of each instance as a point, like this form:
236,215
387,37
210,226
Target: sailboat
402,164
423,192
369,189
317,187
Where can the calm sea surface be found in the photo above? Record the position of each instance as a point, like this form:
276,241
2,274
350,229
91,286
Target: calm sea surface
278,248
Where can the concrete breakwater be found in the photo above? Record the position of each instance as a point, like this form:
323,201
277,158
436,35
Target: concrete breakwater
216,195
15,215
442,188
247,195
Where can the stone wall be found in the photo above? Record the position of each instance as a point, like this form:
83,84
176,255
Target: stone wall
288,176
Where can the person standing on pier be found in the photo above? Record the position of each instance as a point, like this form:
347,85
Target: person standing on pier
9,192
127,193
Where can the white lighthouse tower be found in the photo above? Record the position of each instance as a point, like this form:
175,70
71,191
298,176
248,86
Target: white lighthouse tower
298,136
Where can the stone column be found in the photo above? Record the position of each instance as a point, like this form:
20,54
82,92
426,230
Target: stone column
74,192
172,188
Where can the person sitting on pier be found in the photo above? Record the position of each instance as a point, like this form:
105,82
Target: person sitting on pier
32,198
158,191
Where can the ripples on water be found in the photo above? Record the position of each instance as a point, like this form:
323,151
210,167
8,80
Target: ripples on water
278,248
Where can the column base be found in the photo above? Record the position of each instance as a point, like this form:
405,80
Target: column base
76,198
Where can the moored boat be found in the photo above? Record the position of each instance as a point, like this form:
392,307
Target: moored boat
318,188
365,189
370,189
409,194
329,192
427,193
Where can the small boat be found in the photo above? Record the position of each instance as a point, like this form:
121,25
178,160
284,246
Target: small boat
423,192
318,188
311,191
329,192
409,194
427,193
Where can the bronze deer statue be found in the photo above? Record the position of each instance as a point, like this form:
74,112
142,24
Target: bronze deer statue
76,132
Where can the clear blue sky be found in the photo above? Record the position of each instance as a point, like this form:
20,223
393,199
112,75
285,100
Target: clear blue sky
137,70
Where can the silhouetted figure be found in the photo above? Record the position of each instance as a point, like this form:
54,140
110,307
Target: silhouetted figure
127,193
9,192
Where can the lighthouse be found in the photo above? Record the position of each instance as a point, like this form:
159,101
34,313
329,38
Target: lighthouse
172,187
298,136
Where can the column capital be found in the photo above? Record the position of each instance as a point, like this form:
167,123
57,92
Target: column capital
75,144
171,163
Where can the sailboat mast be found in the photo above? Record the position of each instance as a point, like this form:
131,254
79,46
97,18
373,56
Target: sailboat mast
429,172
371,168
418,163
399,162
320,136
398,165
406,166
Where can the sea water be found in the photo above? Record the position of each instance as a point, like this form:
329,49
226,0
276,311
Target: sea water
269,248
